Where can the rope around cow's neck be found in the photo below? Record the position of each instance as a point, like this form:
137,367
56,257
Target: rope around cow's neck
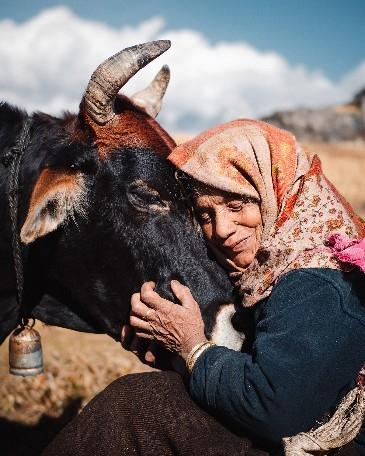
13,158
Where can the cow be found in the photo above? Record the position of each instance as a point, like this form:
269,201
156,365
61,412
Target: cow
100,209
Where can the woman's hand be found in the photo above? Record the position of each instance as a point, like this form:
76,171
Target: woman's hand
146,351
177,328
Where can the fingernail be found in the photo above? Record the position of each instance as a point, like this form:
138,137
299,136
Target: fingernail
149,357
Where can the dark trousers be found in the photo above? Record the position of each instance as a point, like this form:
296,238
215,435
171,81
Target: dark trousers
147,414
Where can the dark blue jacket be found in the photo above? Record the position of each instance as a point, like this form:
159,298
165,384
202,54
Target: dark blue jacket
308,346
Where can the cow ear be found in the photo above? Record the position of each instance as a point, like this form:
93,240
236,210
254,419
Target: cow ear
57,195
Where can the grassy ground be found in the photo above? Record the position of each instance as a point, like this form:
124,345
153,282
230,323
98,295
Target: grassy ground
79,365
344,165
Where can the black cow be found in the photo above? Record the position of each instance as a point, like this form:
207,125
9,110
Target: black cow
100,210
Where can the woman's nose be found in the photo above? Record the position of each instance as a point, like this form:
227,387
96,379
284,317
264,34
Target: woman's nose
223,226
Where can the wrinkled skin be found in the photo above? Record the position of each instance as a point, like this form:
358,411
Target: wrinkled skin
177,328
135,227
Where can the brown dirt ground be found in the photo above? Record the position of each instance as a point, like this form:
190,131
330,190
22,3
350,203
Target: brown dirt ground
344,165
78,366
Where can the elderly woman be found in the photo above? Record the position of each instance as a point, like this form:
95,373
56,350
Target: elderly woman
292,247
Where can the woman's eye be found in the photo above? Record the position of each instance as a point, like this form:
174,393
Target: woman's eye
235,206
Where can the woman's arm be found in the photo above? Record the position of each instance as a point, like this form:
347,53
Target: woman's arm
306,352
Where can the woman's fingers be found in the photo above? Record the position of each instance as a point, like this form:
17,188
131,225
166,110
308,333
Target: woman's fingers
183,294
138,308
126,336
148,295
144,335
143,324
150,355
138,347
140,313
131,342
153,299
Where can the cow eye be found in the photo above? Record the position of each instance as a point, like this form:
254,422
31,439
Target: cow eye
143,197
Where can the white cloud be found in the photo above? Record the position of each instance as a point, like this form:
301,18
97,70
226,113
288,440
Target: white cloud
46,63
355,79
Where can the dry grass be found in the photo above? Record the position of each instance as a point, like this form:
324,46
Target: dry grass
80,365
77,365
344,164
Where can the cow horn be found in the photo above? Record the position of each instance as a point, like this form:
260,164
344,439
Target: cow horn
113,74
150,98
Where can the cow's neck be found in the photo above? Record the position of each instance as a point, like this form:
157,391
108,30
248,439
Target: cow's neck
29,172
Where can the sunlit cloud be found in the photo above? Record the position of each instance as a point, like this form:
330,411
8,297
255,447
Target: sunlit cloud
46,63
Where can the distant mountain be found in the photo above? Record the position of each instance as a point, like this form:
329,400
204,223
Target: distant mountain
334,123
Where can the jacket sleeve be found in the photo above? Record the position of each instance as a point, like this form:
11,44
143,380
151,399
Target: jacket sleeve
303,360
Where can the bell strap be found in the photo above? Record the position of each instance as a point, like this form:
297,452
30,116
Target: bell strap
14,159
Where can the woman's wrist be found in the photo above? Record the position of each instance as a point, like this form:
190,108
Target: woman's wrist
196,352
191,343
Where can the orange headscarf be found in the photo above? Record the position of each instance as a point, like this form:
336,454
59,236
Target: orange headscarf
300,208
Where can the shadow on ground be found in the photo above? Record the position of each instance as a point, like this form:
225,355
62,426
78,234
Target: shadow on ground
23,440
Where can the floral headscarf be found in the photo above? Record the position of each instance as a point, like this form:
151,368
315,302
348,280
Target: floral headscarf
300,208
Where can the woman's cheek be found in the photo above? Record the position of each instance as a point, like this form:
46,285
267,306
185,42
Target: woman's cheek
252,217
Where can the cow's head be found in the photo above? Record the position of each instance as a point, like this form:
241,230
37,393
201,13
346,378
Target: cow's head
101,210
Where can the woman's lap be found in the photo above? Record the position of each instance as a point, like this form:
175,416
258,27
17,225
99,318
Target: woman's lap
147,414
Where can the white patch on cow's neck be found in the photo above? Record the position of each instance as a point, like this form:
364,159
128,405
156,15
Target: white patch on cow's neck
223,333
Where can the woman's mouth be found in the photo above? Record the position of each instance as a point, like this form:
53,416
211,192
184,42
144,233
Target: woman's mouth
241,244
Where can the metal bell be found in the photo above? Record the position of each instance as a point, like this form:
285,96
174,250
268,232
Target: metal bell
25,352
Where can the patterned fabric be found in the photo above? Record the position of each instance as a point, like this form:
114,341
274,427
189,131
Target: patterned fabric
300,208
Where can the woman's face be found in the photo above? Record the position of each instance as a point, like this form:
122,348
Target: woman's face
231,223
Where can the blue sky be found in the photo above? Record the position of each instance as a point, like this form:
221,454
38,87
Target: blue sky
228,59
327,35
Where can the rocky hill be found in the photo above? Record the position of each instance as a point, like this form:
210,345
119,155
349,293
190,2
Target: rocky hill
331,124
